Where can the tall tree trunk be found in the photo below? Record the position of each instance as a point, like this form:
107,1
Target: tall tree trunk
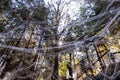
55,69
70,70
55,75
99,58
88,58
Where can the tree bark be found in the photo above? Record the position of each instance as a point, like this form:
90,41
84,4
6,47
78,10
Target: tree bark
55,70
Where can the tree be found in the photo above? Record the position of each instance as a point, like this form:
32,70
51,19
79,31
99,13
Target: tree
38,36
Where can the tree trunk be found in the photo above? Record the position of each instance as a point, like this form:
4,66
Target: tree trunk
55,70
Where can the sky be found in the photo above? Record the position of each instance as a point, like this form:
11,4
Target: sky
73,7
70,9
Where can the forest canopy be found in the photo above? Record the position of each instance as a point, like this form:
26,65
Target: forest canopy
59,39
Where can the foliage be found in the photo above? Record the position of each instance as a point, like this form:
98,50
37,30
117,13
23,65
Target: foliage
62,68
36,35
